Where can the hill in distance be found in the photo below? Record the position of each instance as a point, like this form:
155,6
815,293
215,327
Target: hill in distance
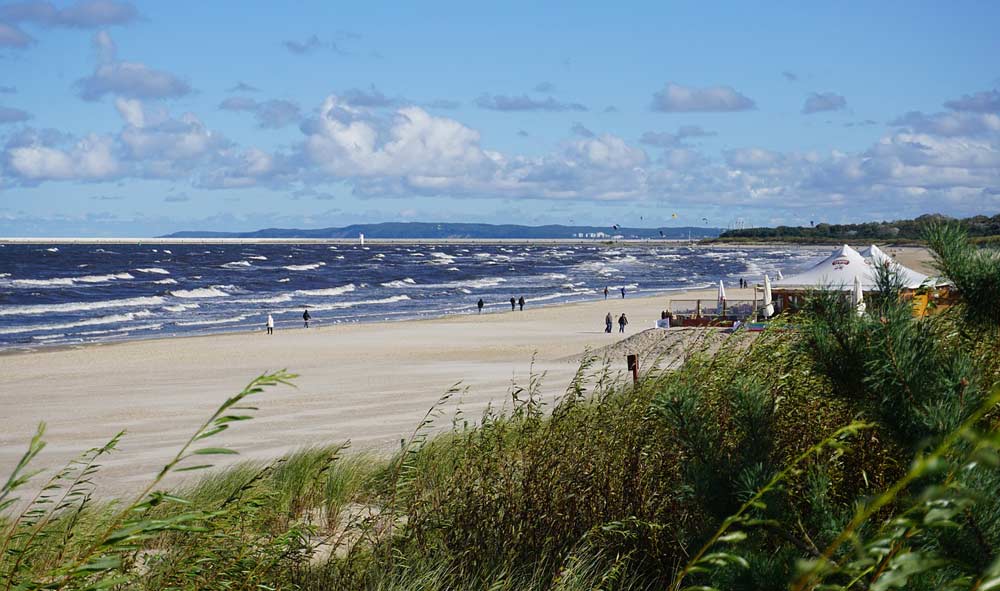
431,231
980,228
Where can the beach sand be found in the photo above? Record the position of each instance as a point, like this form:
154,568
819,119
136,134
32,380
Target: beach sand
367,383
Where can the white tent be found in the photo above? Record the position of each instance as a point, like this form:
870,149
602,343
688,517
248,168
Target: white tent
721,297
839,270
874,256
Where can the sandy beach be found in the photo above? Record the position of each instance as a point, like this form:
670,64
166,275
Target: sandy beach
367,383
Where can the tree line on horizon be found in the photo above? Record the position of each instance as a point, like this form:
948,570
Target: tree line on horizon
980,229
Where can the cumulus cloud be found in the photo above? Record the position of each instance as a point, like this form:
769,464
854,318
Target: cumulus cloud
126,79
409,151
11,36
578,129
663,139
544,87
987,101
823,101
500,102
87,14
371,97
90,158
949,124
272,114
790,76
8,89
10,115
678,98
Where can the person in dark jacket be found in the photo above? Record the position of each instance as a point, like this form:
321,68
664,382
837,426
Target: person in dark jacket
306,317
513,303
480,305
623,292
608,321
622,322
520,302
605,292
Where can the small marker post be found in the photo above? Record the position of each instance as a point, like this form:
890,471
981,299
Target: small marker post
633,366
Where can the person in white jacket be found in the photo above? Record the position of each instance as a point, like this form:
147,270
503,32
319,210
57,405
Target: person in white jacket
270,324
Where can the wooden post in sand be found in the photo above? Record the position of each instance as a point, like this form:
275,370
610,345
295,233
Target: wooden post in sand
633,366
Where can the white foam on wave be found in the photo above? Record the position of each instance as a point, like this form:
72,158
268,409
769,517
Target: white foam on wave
401,283
70,281
200,292
53,249
154,270
330,291
113,319
235,264
284,280
441,258
308,267
257,257
167,281
37,309
167,251
343,305
4,275
278,299
239,318
181,307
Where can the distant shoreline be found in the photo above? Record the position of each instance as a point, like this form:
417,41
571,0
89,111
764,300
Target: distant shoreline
65,240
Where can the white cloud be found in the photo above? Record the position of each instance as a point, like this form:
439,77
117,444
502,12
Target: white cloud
818,102
91,158
678,98
127,79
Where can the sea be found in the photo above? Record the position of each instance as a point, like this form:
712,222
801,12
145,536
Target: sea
74,294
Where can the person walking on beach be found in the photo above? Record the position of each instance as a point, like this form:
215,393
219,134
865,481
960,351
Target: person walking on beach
513,303
306,317
520,302
606,292
623,292
480,305
622,322
270,324
607,323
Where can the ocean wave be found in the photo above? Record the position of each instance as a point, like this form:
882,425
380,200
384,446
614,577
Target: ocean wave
284,280
308,267
181,307
257,257
113,319
53,249
278,299
167,281
37,309
70,281
330,291
239,318
343,305
399,283
154,270
235,264
200,292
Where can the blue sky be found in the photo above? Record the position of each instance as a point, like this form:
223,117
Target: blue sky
139,119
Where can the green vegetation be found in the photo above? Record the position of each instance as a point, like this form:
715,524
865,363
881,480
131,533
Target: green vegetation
982,229
855,452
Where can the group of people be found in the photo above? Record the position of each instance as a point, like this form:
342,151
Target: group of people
621,289
622,323
513,304
269,323
744,283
